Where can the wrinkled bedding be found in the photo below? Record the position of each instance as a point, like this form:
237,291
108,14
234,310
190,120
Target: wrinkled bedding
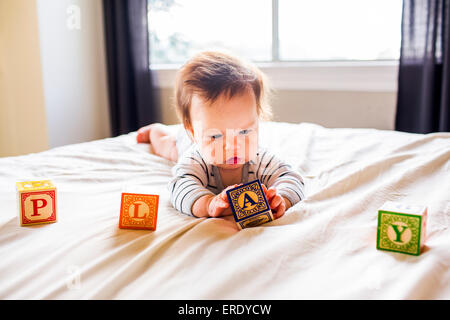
322,248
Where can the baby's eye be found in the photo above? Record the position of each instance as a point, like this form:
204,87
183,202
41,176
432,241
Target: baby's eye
216,136
244,132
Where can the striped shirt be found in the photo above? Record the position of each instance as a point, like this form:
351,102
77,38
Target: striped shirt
194,178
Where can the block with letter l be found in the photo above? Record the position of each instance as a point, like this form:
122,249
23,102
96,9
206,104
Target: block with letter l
401,227
249,205
37,202
138,211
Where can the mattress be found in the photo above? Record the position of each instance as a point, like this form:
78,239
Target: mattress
323,247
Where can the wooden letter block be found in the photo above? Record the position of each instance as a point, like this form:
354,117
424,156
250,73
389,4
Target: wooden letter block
138,211
37,202
249,205
401,228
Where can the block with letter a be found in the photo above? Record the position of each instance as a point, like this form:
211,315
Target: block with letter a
249,205
37,202
138,211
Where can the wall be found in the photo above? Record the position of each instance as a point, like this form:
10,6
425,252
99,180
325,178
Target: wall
74,70
53,88
337,109
23,127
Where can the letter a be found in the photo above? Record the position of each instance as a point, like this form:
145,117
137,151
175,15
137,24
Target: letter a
248,201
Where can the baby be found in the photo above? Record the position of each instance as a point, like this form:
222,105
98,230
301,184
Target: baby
220,100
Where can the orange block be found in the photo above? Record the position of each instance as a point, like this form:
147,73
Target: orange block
37,202
138,211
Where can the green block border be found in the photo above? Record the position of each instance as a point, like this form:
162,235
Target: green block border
380,212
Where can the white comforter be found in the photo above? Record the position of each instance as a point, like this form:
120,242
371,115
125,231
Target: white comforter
322,248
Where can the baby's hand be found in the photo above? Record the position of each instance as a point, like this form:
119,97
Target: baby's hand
219,205
276,202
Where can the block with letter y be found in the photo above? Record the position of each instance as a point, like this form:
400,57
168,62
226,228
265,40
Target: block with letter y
249,205
401,227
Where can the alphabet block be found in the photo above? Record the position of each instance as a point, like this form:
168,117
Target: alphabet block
37,202
249,205
138,211
401,227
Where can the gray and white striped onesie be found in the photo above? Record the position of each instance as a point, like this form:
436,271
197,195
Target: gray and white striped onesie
194,178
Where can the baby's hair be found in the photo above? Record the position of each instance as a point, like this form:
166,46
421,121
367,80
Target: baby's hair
210,74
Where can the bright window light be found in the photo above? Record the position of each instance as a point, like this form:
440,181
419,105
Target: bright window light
276,30
339,30
179,28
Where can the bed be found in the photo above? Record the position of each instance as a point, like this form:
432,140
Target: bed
322,248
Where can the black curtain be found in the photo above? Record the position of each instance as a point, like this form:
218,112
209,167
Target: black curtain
132,96
423,101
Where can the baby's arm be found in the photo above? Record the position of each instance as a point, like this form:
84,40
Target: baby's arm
286,184
213,206
277,203
188,193
188,185
200,208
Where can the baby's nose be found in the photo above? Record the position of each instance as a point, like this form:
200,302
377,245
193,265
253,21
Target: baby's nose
231,143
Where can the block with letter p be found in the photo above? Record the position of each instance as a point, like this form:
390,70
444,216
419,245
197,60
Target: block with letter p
401,227
249,205
138,211
37,202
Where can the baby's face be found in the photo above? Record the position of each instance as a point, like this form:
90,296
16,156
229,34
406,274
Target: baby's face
227,130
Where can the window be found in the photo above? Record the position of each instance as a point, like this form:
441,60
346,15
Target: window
276,30
340,30
179,28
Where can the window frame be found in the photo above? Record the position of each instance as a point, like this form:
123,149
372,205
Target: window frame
370,76
351,75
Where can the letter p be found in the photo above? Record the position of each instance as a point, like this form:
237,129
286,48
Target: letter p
36,206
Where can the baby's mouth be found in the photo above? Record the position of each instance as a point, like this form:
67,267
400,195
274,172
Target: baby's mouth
234,160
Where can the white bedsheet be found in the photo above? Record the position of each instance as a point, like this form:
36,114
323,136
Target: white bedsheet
323,248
